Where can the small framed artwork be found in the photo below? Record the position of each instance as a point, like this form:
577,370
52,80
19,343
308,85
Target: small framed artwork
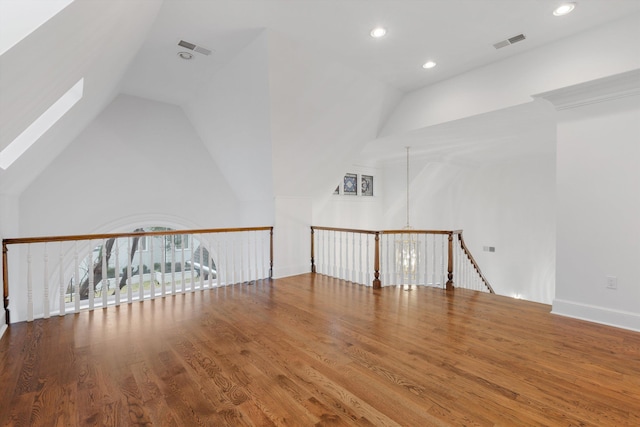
350,184
366,183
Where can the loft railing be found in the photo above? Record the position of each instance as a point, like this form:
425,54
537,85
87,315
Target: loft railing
66,274
437,258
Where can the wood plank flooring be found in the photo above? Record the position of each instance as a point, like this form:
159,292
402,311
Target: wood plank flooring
314,351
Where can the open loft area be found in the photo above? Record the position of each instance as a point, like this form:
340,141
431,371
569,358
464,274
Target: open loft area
523,128
251,212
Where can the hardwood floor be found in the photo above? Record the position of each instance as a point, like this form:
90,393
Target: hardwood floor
311,350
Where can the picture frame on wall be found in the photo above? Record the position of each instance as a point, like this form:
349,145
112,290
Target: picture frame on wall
366,185
350,187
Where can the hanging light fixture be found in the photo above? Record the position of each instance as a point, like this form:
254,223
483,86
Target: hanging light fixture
407,247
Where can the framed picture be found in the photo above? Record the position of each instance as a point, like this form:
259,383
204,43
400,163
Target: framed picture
366,185
350,184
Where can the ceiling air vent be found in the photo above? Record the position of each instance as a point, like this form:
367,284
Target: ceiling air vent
194,47
509,41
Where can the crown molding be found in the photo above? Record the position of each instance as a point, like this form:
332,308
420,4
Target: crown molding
600,90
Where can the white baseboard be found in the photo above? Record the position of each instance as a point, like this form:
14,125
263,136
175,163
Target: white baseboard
291,271
592,313
3,328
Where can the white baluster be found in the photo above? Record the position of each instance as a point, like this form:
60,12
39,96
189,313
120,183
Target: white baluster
210,261
229,276
163,264
129,271
192,285
388,263
320,253
105,274
152,267
76,279
395,264
326,253
433,270
234,279
220,260
340,258
140,270
172,244
248,234
361,273
90,276
241,258
209,256
418,263
255,236
202,263
61,277
116,277
29,286
46,283
426,260
182,275
368,267
442,257
406,272
354,278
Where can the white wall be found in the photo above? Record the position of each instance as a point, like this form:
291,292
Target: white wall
88,39
231,115
592,54
352,211
292,236
322,114
598,199
138,161
508,205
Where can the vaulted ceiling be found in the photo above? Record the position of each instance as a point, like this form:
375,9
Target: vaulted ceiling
131,46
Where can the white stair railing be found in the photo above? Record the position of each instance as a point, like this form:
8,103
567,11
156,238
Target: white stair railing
407,257
67,274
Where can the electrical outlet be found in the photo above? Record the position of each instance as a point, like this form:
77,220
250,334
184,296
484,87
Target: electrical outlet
489,248
612,282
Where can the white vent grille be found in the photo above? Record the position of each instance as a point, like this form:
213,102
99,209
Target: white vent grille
194,47
509,41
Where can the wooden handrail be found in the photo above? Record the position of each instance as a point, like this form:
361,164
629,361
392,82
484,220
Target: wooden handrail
412,231
402,231
67,238
345,230
14,241
474,263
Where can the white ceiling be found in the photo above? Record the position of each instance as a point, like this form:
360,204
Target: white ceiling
486,139
457,34
131,45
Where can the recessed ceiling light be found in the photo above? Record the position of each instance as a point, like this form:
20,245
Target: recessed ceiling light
185,55
378,32
428,64
564,9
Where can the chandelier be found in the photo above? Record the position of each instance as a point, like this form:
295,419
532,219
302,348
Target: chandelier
407,247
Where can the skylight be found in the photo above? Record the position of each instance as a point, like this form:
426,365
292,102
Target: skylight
19,18
30,135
